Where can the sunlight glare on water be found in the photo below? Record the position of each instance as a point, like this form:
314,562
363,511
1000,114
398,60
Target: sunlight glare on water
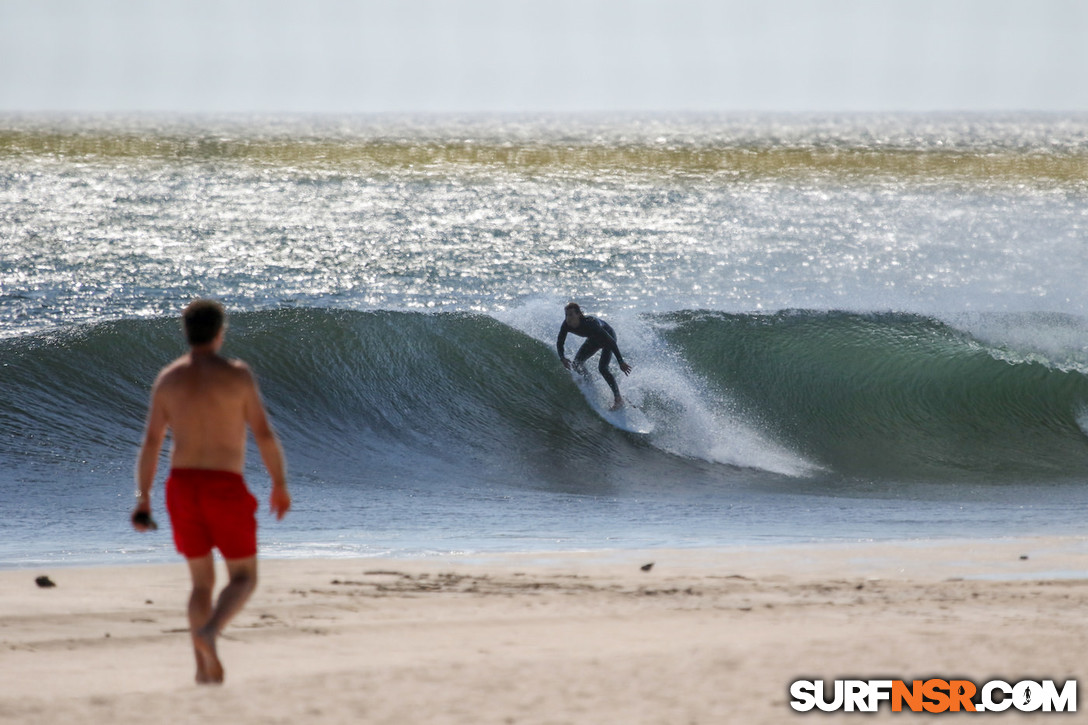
735,215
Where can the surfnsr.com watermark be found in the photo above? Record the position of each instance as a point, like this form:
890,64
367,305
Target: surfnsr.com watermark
933,695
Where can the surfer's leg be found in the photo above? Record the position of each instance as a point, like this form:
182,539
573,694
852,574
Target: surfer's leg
606,358
586,351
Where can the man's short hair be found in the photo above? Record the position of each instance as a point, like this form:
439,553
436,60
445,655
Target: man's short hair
573,306
202,321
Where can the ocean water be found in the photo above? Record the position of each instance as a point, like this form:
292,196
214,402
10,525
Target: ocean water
843,328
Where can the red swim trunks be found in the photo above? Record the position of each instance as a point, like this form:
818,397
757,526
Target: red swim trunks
211,509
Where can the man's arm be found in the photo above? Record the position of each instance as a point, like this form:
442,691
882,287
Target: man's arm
615,348
561,345
268,443
148,459
610,343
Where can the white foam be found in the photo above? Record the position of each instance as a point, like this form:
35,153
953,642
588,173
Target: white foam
1052,339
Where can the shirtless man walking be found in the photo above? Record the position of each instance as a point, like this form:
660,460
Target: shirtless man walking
207,401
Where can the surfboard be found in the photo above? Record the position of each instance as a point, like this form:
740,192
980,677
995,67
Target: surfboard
628,418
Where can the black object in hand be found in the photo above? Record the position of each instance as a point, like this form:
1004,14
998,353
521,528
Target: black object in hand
143,518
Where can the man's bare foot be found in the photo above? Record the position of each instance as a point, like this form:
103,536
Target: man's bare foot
201,674
617,405
209,671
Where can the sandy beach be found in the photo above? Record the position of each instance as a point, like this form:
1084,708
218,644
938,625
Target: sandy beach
700,637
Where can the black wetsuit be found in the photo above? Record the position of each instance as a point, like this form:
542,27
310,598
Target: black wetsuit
599,336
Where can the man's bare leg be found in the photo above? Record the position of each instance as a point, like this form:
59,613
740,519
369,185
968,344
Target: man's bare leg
243,580
202,571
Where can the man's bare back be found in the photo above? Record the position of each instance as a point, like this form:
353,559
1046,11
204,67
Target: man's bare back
207,402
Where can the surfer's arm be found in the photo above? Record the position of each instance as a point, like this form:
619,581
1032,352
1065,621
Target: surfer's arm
561,345
610,344
608,341
619,358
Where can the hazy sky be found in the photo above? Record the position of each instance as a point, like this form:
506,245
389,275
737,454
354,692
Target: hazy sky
543,55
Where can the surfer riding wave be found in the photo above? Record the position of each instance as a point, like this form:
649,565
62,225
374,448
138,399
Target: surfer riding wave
599,337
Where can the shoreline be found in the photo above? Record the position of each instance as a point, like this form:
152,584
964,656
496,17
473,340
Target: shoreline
994,557
702,636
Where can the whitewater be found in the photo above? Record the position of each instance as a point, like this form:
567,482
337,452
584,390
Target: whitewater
843,328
